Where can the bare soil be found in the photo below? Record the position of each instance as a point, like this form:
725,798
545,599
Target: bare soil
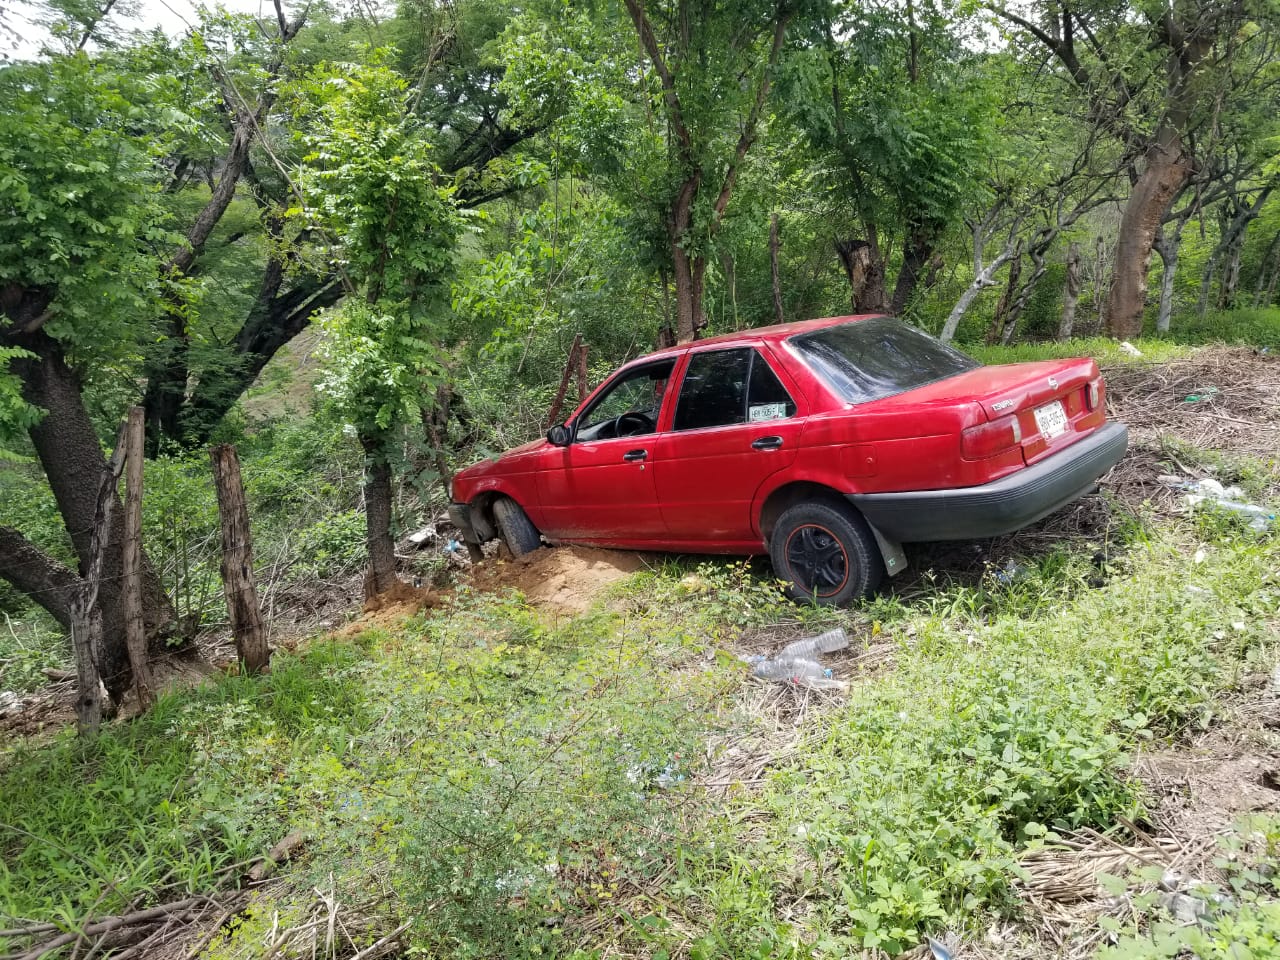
562,581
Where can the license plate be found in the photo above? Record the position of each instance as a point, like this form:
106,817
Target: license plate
1051,419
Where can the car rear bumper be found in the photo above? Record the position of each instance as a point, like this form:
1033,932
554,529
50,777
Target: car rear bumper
1000,507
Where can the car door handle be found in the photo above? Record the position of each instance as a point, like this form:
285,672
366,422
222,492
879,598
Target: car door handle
636,455
767,443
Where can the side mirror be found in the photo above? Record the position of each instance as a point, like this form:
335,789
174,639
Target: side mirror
559,436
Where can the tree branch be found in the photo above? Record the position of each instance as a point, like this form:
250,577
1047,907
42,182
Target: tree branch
669,95
748,134
37,575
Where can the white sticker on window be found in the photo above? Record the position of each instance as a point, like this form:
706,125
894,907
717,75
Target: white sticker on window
768,411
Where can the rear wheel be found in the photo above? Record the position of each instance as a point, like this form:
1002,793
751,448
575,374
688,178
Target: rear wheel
826,552
518,531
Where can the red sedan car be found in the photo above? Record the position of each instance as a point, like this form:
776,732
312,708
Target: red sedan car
827,444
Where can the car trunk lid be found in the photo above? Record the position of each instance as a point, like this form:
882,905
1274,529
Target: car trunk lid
1050,400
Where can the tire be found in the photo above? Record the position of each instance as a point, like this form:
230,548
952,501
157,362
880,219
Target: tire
826,552
518,531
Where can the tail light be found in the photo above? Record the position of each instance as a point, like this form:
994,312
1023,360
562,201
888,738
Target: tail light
1093,394
989,439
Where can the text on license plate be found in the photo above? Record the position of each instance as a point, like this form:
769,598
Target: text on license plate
1051,419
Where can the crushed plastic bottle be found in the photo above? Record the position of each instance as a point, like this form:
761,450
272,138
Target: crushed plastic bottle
1259,517
828,642
788,668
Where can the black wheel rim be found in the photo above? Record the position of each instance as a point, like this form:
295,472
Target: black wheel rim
817,559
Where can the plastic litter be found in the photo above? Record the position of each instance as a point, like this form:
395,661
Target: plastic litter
937,950
10,702
1012,572
1130,349
1207,393
787,668
828,642
795,663
1213,495
649,775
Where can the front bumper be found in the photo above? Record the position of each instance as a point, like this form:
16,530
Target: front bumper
1000,507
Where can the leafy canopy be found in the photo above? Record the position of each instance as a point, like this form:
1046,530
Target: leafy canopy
372,184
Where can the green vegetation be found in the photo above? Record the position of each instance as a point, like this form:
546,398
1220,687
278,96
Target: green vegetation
499,773
502,770
447,195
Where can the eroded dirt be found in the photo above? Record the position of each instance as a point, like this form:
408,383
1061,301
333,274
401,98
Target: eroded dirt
560,580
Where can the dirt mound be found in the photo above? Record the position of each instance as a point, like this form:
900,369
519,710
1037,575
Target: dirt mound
564,580
390,608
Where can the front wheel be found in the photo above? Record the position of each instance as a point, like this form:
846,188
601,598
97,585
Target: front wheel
826,552
518,531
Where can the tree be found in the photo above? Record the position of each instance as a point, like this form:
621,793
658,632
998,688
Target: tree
1155,83
279,267
887,96
76,182
371,181
661,103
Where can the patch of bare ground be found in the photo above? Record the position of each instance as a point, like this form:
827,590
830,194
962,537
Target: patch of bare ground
563,581
52,707
1238,410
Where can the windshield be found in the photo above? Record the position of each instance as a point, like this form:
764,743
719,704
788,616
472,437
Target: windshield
870,359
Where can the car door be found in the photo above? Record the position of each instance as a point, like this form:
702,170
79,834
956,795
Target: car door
735,424
600,487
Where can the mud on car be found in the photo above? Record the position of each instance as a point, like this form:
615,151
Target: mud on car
826,444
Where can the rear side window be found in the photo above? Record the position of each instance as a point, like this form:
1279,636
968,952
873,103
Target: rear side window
726,387
870,359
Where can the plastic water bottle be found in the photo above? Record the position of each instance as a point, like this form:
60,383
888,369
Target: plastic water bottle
1259,517
788,668
810,647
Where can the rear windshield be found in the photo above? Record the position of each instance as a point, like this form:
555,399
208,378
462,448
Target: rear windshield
869,359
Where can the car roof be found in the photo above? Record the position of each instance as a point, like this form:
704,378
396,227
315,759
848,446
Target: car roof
772,334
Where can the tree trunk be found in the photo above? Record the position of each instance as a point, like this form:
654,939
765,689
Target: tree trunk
984,278
1099,279
69,451
237,562
689,273
916,254
381,573
167,380
86,613
774,243
1038,269
1169,245
86,641
1071,293
38,575
135,632
996,328
1267,273
1167,172
864,269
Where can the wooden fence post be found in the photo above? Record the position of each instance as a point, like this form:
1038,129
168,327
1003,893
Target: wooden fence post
237,562
134,631
553,416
